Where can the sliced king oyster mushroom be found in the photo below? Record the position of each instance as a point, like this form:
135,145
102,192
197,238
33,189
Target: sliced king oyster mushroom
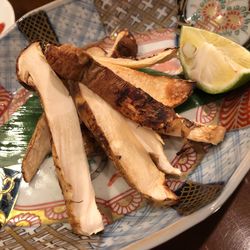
169,91
161,57
72,63
153,144
123,45
132,102
117,138
40,146
68,150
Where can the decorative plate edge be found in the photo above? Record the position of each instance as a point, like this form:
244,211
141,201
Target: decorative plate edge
189,221
47,7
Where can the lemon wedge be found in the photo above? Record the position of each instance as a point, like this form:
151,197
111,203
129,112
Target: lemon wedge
216,63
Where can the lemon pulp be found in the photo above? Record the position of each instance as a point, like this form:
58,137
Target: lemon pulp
216,63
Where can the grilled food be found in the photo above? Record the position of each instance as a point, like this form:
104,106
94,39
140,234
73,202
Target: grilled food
40,146
122,146
169,91
125,46
132,102
68,151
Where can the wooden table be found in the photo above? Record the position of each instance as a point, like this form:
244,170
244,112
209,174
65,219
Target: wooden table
228,229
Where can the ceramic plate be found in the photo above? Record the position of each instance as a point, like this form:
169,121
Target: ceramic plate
228,18
7,16
143,225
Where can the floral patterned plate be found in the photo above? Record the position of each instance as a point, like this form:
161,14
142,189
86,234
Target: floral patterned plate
7,16
38,219
228,18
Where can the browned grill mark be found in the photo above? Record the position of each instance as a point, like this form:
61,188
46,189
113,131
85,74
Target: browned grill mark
132,102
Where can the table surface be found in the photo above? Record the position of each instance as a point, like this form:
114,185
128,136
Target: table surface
227,229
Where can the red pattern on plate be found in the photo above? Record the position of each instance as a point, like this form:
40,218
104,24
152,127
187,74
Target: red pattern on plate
154,36
26,219
5,98
235,110
2,26
127,205
56,213
19,98
113,178
187,161
206,113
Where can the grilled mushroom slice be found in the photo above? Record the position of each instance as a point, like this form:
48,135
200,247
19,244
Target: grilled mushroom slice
125,46
114,133
72,63
40,146
182,127
153,144
164,56
68,152
96,51
169,91
78,57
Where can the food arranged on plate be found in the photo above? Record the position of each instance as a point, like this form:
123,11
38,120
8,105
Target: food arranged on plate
95,101
216,63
